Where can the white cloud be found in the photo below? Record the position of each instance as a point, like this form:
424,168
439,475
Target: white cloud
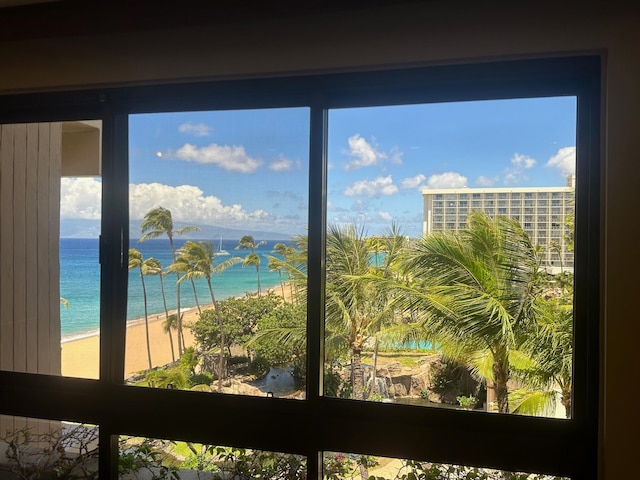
195,129
80,198
372,188
447,180
395,156
485,181
362,153
335,208
386,216
515,174
412,182
523,161
188,203
232,158
281,164
564,160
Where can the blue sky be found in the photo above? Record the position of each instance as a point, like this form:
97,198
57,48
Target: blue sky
249,169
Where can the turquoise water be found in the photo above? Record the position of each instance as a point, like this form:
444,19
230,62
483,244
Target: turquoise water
80,282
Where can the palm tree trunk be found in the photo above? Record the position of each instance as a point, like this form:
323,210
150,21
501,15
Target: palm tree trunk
195,295
372,390
565,399
221,364
258,274
166,318
356,371
364,471
281,283
500,379
178,317
146,318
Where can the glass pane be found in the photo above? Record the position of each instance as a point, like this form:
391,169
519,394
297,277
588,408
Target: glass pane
470,309
33,448
217,257
339,466
149,457
50,280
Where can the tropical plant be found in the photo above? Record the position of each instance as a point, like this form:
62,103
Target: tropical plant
240,317
200,258
474,290
136,261
550,346
284,316
154,267
355,308
183,267
247,242
294,264
170,323
157,222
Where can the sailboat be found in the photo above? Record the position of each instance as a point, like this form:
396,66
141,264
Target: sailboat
220,249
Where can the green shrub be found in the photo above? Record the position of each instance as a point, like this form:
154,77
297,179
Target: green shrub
204,378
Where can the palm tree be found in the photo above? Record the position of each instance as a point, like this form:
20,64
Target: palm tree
170,323
276,265
158,222
248,243
199,256
355,309
136,261
550,346
154,267
475,290
182,265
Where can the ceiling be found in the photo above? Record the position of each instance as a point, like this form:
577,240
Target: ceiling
28,19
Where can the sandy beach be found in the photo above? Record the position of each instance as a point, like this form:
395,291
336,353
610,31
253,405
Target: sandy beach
80,357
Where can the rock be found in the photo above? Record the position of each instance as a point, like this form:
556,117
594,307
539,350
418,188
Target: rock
238,388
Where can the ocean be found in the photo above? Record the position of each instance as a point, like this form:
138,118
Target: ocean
80,282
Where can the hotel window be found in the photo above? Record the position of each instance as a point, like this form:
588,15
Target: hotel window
319,117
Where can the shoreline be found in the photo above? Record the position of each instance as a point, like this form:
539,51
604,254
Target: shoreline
80,352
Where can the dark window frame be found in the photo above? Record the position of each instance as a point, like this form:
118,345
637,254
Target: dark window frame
562,447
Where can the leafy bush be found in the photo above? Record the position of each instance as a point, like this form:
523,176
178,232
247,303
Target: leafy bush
146,455
204,378
239,319
451,380
281,337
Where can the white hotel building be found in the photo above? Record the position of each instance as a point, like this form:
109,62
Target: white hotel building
542,211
